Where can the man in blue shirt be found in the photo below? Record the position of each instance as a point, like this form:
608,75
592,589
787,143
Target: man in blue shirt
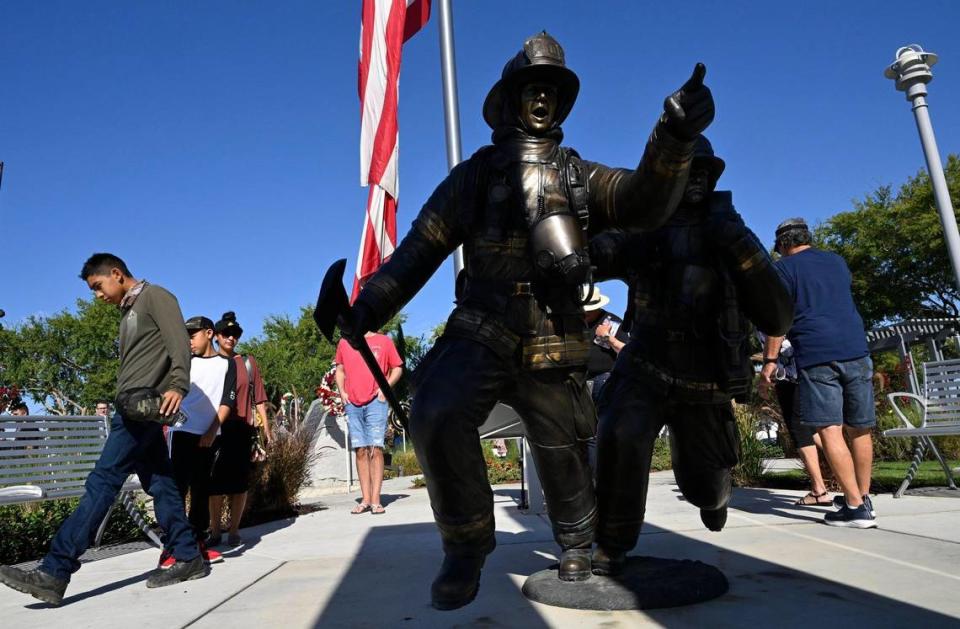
835,373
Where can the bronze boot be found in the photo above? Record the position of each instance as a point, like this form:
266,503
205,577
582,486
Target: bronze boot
574,565
458,581
608,562
465,548
714,519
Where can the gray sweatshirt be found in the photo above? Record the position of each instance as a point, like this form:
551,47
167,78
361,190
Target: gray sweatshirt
154,346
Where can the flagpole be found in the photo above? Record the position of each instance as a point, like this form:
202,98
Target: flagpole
451,104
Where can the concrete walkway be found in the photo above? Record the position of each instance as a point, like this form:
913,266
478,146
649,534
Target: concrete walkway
333,569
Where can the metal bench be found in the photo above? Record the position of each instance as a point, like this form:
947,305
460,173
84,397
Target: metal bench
46,457
940,415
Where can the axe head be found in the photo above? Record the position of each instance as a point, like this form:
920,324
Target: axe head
332,302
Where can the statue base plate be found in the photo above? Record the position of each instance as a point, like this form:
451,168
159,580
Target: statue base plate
646,583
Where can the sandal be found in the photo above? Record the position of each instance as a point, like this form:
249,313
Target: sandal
815,500
360,508
377,509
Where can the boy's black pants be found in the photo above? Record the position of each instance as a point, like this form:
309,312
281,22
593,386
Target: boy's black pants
192,466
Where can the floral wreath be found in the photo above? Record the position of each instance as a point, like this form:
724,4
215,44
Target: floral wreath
327,393
9,396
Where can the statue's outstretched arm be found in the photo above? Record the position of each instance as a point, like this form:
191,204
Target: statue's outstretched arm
435,233
761,293
644,198
613,253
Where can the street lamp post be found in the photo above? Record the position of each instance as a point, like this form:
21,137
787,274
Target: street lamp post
911,71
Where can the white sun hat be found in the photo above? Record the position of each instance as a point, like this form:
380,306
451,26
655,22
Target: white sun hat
592,298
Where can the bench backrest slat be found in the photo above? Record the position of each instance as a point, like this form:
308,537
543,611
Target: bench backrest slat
55,454
43,463
942,392
41,431
44,480
31,458
7,447
51,422
67,490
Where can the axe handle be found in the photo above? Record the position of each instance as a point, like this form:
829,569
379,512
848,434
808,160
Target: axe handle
381,379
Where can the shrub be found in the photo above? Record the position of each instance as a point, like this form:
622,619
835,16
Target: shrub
892,448
949,447
499,470
505,470
752,450
408,460
277,481
662,459
901,448
26,530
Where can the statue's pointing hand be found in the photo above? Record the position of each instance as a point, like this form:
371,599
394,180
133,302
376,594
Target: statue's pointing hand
689,110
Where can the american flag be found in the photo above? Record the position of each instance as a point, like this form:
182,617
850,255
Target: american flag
385,26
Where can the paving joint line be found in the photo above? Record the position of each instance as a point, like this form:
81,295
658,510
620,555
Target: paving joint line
858,551
235,594
904,533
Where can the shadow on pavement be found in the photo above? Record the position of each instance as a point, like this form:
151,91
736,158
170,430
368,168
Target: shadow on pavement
389,580
764,592
513,493
932,492
783,505
762,502
388,499
103,589
252,535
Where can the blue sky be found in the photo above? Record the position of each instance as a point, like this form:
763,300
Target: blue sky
214,145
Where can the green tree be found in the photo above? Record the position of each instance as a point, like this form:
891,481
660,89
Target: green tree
413,348
894,246
293,355
64,362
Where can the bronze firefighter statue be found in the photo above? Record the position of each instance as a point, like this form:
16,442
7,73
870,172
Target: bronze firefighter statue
523,208
695,286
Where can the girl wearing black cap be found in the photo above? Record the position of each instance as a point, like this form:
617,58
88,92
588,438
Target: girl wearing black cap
231,473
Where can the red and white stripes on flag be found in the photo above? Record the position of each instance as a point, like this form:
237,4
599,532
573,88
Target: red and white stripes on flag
385,26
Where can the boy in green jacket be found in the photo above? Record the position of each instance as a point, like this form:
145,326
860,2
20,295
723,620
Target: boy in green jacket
154,358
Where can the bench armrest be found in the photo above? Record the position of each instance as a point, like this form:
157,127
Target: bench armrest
892,397
29,492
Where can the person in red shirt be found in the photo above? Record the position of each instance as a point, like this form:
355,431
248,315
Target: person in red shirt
366,409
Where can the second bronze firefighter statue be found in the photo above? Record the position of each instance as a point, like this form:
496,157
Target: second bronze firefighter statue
696,284
523,208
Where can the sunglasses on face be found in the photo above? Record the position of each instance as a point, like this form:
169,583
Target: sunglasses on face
228,335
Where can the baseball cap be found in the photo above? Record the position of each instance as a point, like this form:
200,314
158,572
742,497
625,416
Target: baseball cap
198,323
791,224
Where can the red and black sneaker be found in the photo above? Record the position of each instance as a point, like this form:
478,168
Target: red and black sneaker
209,555
166,560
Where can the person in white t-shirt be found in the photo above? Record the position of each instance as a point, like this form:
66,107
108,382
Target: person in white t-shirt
208,403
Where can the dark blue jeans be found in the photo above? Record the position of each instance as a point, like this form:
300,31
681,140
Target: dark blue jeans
131,447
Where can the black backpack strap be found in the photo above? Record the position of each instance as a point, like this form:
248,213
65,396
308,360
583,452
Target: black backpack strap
577,184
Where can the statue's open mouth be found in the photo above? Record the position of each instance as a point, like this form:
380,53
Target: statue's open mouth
540,111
